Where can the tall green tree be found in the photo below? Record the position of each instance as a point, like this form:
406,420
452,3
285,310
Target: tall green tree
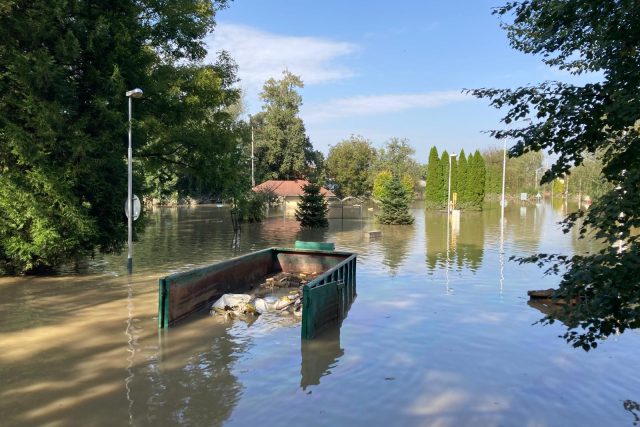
463,183
434,180
570,119
312,207
191,138
283,149
444,166
64,70
476,180
397,156
349,163
395,203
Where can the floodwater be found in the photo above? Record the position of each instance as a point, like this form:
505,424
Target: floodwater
439,335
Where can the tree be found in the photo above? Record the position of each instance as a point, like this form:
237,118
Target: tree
381,185
349,163
64,70
395,203
283,149
476,180
463,183
191,137
312,207
434,180
444,166
585,36
520,172
397,156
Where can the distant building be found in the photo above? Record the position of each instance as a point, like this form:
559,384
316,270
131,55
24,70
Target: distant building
289,191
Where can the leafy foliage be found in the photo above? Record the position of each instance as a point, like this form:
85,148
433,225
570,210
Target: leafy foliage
349,164
571,120
312,207
251,206
381,185
64,70
283,149
397,156
395,200
521,172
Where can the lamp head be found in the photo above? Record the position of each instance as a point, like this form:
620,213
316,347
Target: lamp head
134,93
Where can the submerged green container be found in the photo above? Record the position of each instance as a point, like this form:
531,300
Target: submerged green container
325,300
316,246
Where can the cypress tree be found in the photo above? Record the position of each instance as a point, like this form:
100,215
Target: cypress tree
454,176
480,175
312,208
462,179
444,166
434,179
395,203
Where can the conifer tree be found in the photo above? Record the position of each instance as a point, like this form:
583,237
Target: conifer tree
454,176
479,179
312,207
395,203
463,197
434,179
444,166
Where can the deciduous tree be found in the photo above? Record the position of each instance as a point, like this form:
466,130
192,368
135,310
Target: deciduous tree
64,70
283,149
571,119
349,163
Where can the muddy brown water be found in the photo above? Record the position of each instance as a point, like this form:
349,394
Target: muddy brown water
431,340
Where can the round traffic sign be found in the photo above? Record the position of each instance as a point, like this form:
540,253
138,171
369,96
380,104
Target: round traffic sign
136,207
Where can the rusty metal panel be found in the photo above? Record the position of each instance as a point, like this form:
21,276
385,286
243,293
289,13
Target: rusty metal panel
183,294
304,261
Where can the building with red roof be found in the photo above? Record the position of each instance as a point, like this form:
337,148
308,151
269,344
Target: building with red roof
289,191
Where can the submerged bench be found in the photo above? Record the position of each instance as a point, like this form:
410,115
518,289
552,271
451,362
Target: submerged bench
325,300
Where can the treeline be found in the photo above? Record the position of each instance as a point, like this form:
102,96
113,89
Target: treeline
63,115
355,168
467,174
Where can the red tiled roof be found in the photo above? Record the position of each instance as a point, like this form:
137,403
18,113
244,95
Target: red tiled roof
288,188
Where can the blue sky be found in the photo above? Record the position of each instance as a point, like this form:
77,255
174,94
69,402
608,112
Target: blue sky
380,69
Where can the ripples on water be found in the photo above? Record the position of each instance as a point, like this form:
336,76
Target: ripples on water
440,334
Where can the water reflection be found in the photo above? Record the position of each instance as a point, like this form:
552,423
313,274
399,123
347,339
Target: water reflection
396,241
319,356
188,377
435,226
462,247
86,346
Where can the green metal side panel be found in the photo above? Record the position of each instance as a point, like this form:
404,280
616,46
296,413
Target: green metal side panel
163,304
327,299
182,294
318,246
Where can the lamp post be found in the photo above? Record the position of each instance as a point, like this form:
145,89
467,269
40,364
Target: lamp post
449,190
134,93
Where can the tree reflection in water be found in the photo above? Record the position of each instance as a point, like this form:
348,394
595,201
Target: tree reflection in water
466,242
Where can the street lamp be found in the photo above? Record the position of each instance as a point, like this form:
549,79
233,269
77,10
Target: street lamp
449,190
134,93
